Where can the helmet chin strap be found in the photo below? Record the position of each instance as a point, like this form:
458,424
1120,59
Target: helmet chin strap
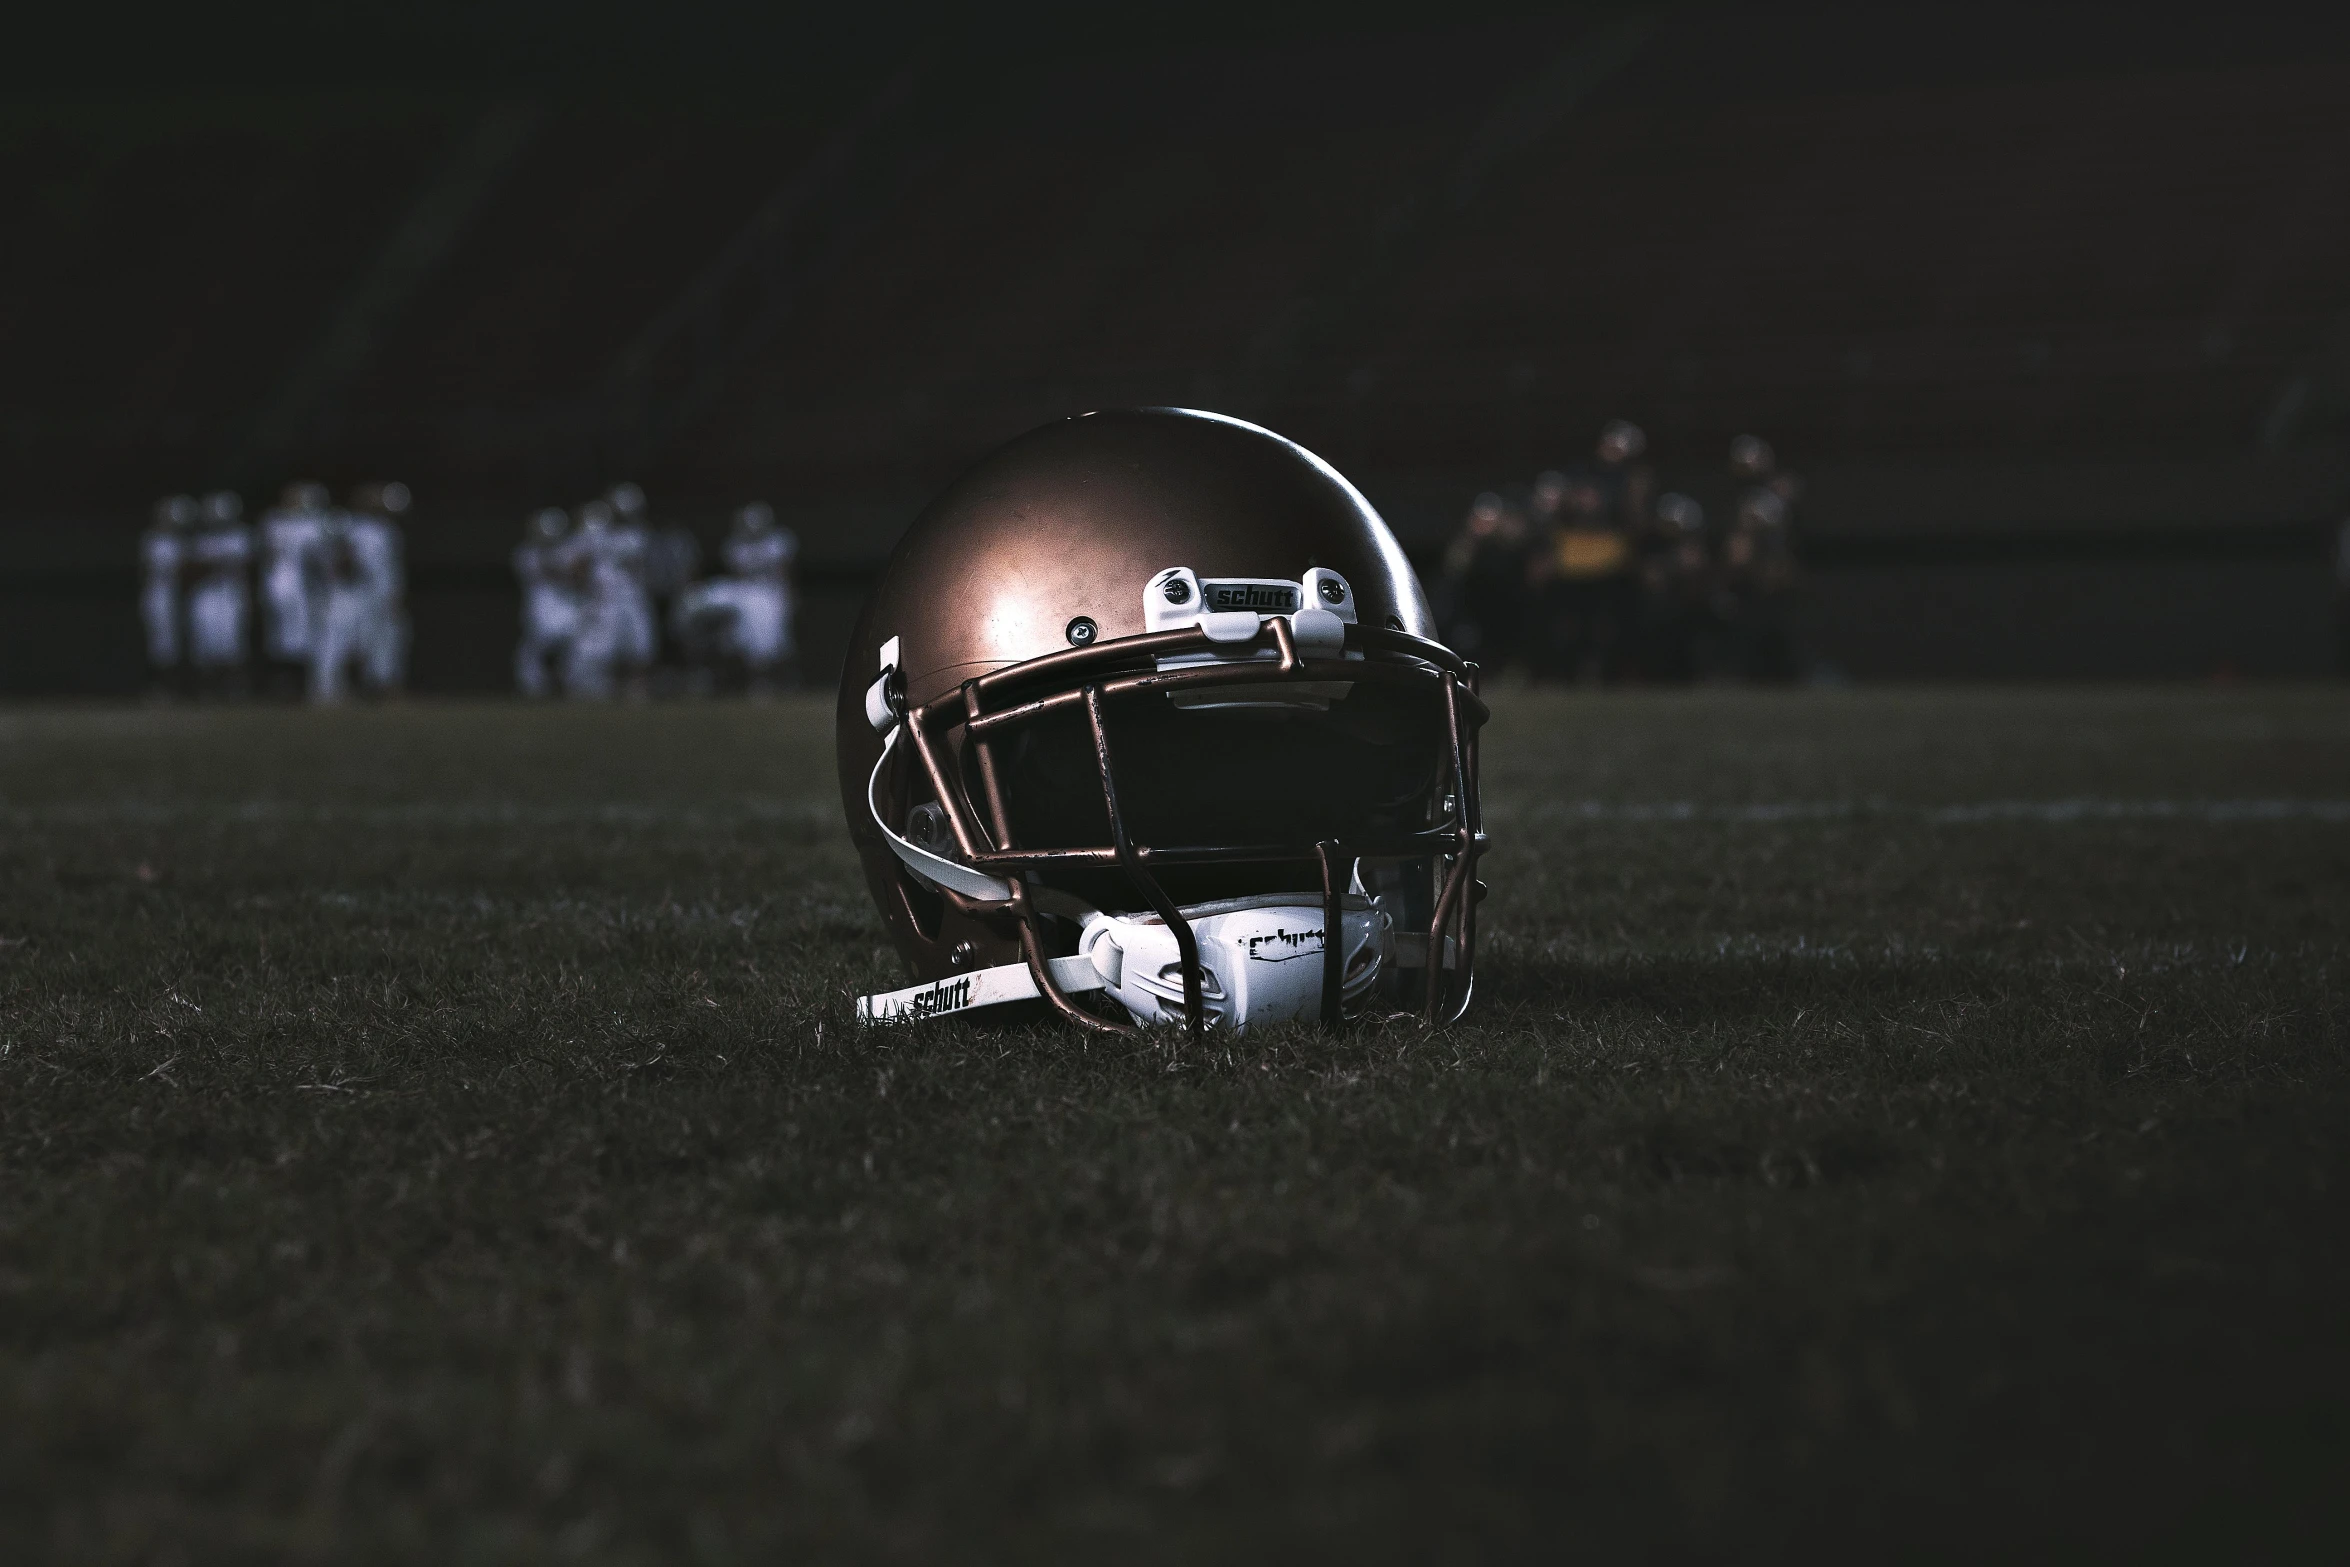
1261,956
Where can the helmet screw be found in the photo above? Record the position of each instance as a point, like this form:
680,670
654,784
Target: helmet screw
1333,591
1177,590
1082,631
963,955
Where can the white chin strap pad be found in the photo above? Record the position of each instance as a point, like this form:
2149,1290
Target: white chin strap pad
1261,958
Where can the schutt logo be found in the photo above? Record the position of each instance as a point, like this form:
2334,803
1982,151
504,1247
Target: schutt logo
1279,946
1251,595
948,995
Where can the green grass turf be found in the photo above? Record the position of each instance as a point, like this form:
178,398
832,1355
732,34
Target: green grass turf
438,1134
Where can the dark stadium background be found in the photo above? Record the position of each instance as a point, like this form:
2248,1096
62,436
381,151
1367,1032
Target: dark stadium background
2050,309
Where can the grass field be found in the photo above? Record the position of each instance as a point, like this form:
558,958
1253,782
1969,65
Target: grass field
1907,1120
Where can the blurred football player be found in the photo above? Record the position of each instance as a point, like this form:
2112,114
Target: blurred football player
759,561
589,558
1630,481
1759,573
1483,590
1758,562
623,581
365,620
550,601
1676,589
163,552
293,583
1581,574
220,601
376,514
673,559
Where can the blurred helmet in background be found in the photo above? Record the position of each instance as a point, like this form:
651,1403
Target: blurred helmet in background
628,502
223,507
303,495
1751,457
1679,513
549,523
756,518
393,496
1550,488
595,516
176,511
1762,508
1621,441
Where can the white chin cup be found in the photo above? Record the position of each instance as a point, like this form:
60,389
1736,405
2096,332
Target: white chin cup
1261,958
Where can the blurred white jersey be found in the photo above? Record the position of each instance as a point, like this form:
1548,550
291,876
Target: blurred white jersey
768,554
219,602
622,597
615,627
550,613
161,552
365,619
761,596
293,582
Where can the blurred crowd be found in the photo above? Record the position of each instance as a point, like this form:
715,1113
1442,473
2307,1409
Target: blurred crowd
1591,575
312,600
612,604
330,582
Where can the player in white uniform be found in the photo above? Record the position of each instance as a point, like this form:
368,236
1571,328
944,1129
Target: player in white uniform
220,602
760,557
293,580
589,561
383,564
550,604
743,621
365,619
162,552
635,634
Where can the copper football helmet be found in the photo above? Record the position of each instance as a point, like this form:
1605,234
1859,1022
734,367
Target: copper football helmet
1146,718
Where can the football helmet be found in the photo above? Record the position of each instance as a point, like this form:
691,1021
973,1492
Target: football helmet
1751,458
1679,514
1146,718
1620,442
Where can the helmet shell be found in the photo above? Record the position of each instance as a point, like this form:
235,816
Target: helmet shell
1073,520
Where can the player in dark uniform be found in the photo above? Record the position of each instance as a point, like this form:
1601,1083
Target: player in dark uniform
1484,583
1676,591
1758,563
